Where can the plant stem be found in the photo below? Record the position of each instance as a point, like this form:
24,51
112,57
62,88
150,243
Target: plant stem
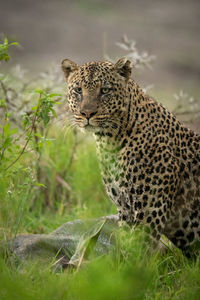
25,145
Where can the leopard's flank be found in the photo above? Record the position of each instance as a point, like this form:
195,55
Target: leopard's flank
150,162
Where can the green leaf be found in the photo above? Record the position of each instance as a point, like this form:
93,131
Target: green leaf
2,103
39,91
4,49
55,95
34,108
53,112
40,184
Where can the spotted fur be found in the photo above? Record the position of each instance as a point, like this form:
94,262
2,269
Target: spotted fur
150,162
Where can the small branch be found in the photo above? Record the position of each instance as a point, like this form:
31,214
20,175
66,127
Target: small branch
81,259
4,90
63,182
73,152
5,116
171,273
24,148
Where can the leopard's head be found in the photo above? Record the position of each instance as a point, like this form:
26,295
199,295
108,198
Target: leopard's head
97,92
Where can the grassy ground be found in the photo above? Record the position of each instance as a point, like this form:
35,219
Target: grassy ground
68,169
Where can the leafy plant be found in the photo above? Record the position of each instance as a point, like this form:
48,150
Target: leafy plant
4,49
10,142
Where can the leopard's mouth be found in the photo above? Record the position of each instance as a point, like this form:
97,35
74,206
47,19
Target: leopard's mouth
87,125
90,123
92,127
98,122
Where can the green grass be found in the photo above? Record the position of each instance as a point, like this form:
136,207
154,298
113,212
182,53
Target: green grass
26,207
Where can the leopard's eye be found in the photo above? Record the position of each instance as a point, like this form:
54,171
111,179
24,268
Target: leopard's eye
78,90
105,90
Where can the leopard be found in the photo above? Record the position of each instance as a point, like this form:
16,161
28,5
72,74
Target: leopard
149,161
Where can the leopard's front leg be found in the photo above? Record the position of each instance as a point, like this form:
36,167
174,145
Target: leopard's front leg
152,194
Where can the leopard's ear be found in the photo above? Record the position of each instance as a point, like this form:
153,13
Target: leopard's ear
68,67
123,67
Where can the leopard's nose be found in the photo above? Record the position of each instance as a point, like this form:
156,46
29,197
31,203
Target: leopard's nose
87,113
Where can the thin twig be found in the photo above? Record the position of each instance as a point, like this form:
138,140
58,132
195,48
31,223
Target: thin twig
5,117
73,151
63,182
171,273
4,90
81,259
25,145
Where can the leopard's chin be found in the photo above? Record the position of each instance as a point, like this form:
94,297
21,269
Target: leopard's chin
88,128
